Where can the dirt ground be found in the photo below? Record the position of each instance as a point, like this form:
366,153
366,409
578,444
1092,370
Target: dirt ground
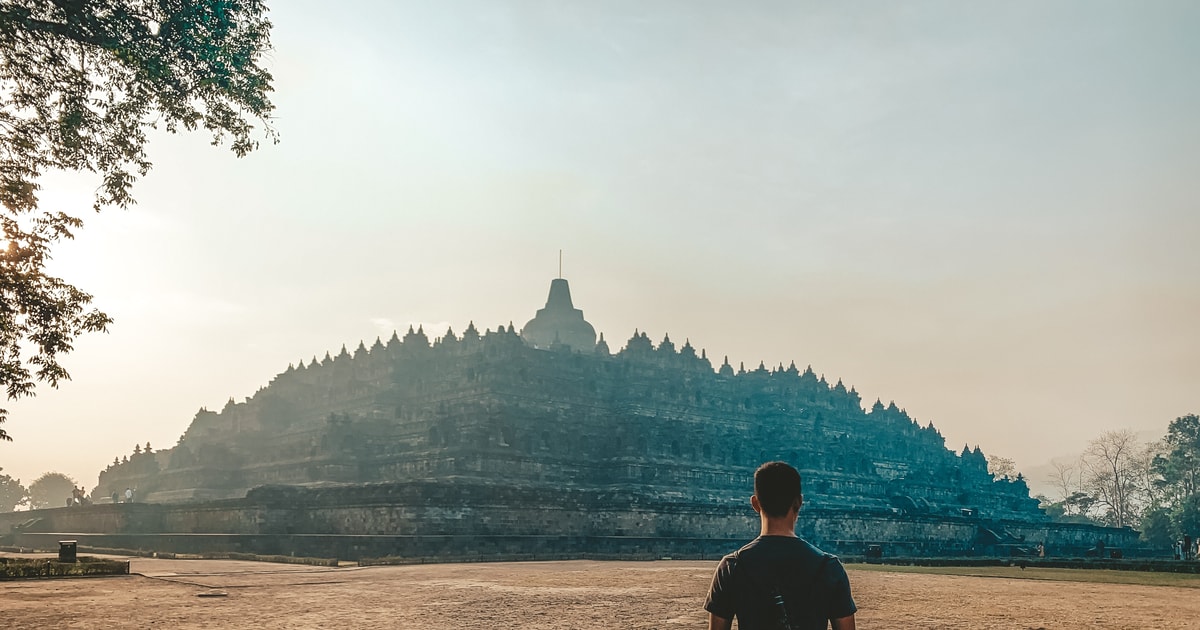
554,595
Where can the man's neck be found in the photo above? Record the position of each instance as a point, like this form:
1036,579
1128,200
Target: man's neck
778,527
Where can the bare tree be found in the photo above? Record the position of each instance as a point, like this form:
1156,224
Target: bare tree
1068,478
1152,486
1065,477
1110,474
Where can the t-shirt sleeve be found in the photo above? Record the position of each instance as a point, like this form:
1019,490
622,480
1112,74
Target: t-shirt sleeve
837,584
722,599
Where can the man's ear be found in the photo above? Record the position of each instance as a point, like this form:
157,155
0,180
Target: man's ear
755,504
797,503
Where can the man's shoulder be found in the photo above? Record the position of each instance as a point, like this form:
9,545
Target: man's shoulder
790,545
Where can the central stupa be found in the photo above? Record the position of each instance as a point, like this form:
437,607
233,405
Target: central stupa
559,323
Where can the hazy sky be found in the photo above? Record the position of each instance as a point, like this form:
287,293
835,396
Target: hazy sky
986,212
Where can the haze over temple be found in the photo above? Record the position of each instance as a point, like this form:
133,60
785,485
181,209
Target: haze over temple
522,430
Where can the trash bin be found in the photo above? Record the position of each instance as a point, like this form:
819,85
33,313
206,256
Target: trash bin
66,550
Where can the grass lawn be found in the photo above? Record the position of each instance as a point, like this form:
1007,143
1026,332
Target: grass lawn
1104,576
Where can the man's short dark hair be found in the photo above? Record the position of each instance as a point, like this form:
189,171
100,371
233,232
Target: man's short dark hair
777,486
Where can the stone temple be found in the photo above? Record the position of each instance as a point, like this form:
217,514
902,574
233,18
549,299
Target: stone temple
547,440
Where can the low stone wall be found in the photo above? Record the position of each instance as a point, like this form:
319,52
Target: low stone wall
453,520
916,536
93,518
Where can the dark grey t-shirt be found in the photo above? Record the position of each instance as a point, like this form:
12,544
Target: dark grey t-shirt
813,585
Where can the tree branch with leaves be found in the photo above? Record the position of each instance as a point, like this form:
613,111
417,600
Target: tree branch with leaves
12,493
82,83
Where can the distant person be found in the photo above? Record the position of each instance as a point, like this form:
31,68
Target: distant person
116,498
779,581
128,495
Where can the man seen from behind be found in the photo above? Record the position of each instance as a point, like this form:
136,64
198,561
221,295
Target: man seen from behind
779,581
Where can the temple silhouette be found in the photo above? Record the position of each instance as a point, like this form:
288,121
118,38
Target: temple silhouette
552,405
518,428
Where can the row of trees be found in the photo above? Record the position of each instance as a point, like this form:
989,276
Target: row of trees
50,490
1121,481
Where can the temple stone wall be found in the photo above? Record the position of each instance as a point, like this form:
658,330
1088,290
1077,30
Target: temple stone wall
465,519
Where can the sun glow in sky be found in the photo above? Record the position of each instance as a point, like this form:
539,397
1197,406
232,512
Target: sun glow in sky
985,212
